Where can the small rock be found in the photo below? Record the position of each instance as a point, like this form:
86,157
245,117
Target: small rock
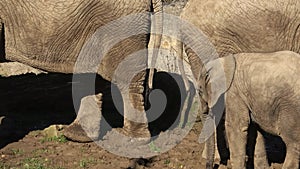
7,127
53,131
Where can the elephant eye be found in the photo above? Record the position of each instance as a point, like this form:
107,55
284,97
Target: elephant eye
200,91
207,77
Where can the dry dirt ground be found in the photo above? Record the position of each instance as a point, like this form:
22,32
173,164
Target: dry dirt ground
34,151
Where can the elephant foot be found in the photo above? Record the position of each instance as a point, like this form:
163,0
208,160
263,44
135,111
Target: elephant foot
74,132
86,126
137,140
221,166
136,125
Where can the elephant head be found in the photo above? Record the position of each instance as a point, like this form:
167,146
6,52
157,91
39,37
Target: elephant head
214,80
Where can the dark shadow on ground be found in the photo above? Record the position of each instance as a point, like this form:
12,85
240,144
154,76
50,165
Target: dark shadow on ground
275,147
33,102
177,96
170,85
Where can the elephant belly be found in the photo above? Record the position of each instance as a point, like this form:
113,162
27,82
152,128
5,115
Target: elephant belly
51,34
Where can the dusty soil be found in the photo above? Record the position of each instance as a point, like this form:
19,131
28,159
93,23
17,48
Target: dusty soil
34,151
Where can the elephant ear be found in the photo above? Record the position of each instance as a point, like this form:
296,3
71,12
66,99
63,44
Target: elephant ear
220,77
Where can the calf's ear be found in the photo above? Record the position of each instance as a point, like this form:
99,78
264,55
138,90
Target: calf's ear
221,74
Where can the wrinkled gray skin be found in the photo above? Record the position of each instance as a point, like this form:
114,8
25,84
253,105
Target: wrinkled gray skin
50,34
237,26
260,87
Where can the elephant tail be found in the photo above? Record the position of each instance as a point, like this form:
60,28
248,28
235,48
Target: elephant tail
156,33
2,42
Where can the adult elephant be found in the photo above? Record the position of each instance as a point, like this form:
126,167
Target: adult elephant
49,35
236,26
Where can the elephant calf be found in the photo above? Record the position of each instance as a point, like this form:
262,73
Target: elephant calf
263,88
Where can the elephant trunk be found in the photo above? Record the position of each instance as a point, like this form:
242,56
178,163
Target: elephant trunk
209,146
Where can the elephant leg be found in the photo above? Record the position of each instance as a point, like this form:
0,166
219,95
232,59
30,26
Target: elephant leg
292,155
260,154
236,125
288,127
257,155
135,120
222,142
86,126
